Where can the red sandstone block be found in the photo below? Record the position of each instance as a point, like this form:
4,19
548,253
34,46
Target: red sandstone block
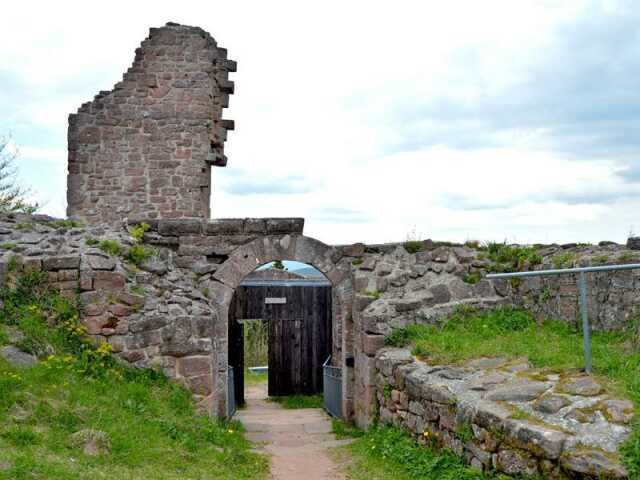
120,310
33,264
194,366
95,324
202,385
94,309
131,299
68,275
66,285
105,280
372,343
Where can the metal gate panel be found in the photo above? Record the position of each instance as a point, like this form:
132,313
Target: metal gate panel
332,377
231,394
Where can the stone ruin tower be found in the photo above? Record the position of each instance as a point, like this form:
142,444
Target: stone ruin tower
145,149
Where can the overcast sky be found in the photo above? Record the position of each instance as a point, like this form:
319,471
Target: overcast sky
376,121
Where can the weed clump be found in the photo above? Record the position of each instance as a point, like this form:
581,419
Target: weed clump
511,258
413,246
138,254
112,247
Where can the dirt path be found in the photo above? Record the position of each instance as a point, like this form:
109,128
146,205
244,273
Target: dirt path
297,440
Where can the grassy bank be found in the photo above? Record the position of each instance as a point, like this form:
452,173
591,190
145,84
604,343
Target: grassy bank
387,453
554,345
79,414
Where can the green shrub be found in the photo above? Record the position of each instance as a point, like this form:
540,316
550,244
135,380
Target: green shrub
563,259
511,258
600,259
138,254
474,244
112,247
413,246
66,223
137,232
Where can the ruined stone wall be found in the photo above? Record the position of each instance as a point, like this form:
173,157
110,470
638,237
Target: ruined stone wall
395,288
163,312
145,149
506,416
171,310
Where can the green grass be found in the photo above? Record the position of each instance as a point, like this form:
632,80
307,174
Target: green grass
341,429
555,345
472,278
150,423
293,402
387,453
371,293
252,379
66,223
92,242
8,245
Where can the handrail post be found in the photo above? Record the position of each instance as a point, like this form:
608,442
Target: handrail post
582,285
585,322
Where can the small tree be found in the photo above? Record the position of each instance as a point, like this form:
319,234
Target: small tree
279,265
13,197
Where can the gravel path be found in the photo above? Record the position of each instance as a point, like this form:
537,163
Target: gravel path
296,440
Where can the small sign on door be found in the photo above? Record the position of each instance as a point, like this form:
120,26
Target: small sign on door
275,300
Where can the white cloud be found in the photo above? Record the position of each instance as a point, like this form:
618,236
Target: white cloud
325,95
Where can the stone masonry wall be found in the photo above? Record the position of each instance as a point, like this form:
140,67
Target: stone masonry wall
395,288
162,313
506,416
145,149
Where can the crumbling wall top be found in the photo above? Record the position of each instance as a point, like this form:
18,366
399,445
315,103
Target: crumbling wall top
145,148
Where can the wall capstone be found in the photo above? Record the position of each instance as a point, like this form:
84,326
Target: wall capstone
489,412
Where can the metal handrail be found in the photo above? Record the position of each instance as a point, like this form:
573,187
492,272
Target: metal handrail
582,282
326,362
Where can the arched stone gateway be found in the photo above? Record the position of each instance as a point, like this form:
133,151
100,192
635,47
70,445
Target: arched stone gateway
244,260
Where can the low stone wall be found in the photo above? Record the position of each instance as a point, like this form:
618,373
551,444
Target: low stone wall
505,415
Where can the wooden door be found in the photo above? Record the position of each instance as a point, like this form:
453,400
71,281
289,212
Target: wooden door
299,318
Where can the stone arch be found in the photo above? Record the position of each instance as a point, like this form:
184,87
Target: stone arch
244,260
